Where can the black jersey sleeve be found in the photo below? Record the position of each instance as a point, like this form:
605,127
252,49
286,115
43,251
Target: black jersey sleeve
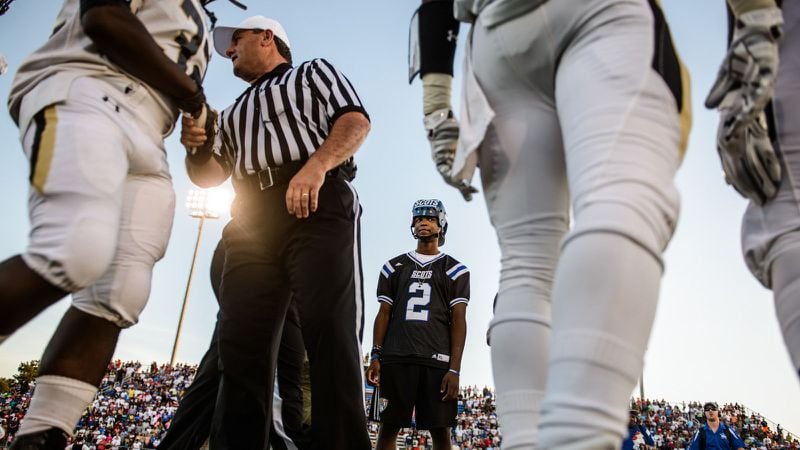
385,290
458,274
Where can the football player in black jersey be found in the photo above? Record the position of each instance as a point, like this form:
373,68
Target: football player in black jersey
419,334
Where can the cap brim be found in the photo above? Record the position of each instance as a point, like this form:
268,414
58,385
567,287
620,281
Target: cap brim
222,39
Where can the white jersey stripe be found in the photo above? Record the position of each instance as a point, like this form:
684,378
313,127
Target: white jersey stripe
277,416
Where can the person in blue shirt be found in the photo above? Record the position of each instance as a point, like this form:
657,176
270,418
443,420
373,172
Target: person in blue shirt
639,437
715,435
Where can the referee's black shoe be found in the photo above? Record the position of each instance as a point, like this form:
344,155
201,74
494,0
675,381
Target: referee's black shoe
50,439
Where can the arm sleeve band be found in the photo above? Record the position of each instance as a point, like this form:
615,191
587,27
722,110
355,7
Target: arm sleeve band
438,33
86,5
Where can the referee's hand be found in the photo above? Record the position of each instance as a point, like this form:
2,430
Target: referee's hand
302,196
192,135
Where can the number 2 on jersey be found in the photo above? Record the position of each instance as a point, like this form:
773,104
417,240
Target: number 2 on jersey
420,298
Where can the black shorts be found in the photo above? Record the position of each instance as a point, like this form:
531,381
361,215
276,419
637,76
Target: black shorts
414,388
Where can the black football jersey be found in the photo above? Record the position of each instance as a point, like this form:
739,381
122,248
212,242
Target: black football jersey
421,296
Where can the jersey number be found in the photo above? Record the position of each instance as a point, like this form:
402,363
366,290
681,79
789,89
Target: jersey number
191,45
420,298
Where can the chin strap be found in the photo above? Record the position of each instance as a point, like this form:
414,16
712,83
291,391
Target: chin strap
427,239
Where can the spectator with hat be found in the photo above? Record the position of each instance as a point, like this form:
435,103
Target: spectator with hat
715,435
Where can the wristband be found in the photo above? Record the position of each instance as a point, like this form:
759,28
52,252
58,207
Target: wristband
454,372
376,353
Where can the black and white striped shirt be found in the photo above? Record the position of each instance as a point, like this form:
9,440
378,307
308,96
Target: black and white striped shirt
284,116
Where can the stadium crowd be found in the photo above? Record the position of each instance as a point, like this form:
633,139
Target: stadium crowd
137,402
131,411
673,425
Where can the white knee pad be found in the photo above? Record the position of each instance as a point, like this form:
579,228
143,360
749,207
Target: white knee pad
530,247
645,217
121,294
76,256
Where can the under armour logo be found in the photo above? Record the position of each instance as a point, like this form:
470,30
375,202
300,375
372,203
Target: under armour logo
451,36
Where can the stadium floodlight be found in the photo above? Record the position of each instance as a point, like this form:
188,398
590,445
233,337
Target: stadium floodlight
202,204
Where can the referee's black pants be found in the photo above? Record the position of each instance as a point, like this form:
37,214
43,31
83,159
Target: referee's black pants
191,425
272,256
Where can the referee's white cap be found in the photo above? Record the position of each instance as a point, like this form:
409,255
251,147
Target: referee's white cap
223,35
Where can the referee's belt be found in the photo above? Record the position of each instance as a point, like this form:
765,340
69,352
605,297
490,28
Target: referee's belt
274,177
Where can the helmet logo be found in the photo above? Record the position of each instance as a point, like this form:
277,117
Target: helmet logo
433,202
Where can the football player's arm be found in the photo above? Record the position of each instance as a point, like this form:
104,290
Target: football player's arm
437,31
379,330
458,335
122,38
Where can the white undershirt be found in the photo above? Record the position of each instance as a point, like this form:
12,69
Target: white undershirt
424,258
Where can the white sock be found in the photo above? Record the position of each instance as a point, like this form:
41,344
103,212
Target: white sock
604,301
58,402
520,334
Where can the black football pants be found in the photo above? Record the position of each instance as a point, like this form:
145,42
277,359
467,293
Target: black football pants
273,257
191,425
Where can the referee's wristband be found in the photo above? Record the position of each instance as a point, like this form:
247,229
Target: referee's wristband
454,372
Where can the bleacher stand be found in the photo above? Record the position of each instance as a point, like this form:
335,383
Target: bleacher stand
136,403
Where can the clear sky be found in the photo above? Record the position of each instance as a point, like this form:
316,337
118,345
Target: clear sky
715,336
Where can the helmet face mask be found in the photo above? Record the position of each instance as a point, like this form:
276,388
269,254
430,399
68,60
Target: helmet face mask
430,208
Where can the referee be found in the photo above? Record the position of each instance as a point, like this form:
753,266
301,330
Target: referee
287,141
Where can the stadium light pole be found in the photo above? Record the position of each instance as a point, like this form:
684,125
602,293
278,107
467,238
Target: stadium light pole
641,385
199,208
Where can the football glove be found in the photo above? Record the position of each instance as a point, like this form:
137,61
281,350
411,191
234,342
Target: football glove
749,160
207,119
442,129
750,66
744,86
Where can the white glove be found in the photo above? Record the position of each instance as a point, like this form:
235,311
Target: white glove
442,129
750,163
3,65
744,86
751,65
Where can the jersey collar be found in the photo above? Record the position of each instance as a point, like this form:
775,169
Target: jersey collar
423,264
